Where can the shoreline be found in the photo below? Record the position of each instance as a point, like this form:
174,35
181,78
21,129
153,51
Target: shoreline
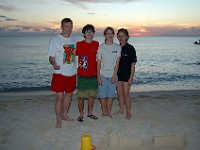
28,122
19,95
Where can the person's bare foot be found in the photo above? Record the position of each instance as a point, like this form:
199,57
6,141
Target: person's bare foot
58,125
104,114
109,115
128,117
118,113
66,118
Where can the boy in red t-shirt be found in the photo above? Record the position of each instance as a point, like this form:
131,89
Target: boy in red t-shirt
86,51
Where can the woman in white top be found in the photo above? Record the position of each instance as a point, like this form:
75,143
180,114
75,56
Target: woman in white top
108,57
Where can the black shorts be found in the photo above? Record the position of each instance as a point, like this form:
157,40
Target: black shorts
123,77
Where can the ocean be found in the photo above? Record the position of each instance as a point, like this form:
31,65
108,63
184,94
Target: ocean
164,63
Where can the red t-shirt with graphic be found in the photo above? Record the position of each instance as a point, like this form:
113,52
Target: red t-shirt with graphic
87,62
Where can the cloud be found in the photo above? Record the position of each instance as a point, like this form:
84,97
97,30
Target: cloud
100,1
195,30
20,30
164,31
91,13
8,19
145,30
81,3
6,8
4,18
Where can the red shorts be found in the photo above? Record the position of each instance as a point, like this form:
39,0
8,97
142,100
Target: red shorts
62,83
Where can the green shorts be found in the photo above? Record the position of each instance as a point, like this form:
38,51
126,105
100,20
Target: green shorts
87,86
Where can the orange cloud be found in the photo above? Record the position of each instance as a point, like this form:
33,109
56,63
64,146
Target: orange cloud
138,31
143,30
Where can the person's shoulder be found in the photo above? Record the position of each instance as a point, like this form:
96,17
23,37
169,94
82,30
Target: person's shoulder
55,38
96,42
117,45
73,38
102,44
81,42
130,46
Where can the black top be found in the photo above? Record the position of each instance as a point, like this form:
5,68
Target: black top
128,56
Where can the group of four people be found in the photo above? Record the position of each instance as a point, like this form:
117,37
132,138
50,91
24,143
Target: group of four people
101,69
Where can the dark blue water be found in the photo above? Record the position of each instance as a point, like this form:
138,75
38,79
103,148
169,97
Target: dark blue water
164,63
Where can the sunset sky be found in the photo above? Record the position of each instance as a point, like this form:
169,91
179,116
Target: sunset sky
140,17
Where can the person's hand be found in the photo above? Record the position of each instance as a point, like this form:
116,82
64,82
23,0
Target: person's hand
56,67
113,80
130,81
100,81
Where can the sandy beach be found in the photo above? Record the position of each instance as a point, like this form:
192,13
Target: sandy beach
163,120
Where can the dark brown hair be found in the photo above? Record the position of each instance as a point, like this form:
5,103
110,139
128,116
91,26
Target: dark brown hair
88,27
125,31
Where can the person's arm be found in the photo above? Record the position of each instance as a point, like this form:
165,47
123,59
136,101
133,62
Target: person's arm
98,72
133,59
130,80
53,62
113,79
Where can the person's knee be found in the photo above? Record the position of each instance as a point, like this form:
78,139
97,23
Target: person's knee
68,95
80,98
59,98
59,101
126,97
120,96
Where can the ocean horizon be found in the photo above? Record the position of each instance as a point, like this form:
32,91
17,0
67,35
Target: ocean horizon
164,63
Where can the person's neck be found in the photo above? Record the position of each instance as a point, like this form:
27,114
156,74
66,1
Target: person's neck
109,42
65,35
122,44
88,40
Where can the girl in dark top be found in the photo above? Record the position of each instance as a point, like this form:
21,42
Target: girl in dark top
125,72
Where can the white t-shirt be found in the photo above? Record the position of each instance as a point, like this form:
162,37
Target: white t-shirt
64,57
108,55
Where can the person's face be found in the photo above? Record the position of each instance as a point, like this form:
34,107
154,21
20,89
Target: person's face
89,34
122,37
67,28
109,35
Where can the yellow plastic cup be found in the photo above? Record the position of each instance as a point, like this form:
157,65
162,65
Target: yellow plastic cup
86,143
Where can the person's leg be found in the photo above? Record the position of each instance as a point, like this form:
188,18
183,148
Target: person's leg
90,105
90,108
92,92
103,107
80,96
66,106
110,96
102,92
57,85
120,93
70,84
109,106
126,89
81,106
58,109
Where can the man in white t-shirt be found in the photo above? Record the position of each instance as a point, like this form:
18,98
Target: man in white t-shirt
62,58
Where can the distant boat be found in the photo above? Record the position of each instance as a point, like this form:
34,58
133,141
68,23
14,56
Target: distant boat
197,42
